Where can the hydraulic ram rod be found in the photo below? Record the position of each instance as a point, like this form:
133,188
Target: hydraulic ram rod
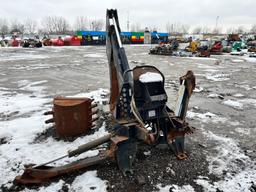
87,146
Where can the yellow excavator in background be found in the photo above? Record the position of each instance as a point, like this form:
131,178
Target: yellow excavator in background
192,46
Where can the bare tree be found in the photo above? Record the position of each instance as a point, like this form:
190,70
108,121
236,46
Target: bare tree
150,28
137,27
81,23
21,28
197,30
55,24
216,30
4,28
17,27
97,24
154,28
240,30
253,29
185,28
172,28
206,30
169,27
231,30
30,26
62,25
177,28
47,25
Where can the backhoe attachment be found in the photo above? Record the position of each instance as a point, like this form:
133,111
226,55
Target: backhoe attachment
139,111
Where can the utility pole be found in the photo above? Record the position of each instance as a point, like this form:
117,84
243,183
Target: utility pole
128,22
217,19
216,31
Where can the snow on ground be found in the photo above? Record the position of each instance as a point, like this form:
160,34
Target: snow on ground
217,77
250,59
35,66
198,89
176,188
246,87
241,182
211,70
202,58
245,131
249,102
234,104
238,95
226,155
213,95
208,67
23,57
21,120
88,182
206,117
239,104
236,53
52,188
29,103
226,160
237,60
94,55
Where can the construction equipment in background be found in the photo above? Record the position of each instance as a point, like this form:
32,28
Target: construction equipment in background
57,42
31,42
72,40
226,46
252,46
216,48
233,37
203,49
193,45
165,48
238,48
162,49
139,114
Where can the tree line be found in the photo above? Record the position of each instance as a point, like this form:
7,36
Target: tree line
49,25
60,25
179,28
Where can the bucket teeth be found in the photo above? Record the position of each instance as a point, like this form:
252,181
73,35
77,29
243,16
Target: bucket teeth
93,105
49,113
95,119
50,121
95,112
72,116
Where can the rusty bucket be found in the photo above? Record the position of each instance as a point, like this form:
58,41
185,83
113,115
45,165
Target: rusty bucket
72,116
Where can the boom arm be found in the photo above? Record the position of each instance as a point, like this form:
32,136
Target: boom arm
117,59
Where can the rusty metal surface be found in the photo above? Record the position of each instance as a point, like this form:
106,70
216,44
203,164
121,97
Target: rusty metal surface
72,116
42,174
190,81
114,89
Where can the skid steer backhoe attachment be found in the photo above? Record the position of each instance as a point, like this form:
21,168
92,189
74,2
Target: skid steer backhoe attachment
139,111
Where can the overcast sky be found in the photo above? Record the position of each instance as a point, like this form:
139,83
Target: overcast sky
146,12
